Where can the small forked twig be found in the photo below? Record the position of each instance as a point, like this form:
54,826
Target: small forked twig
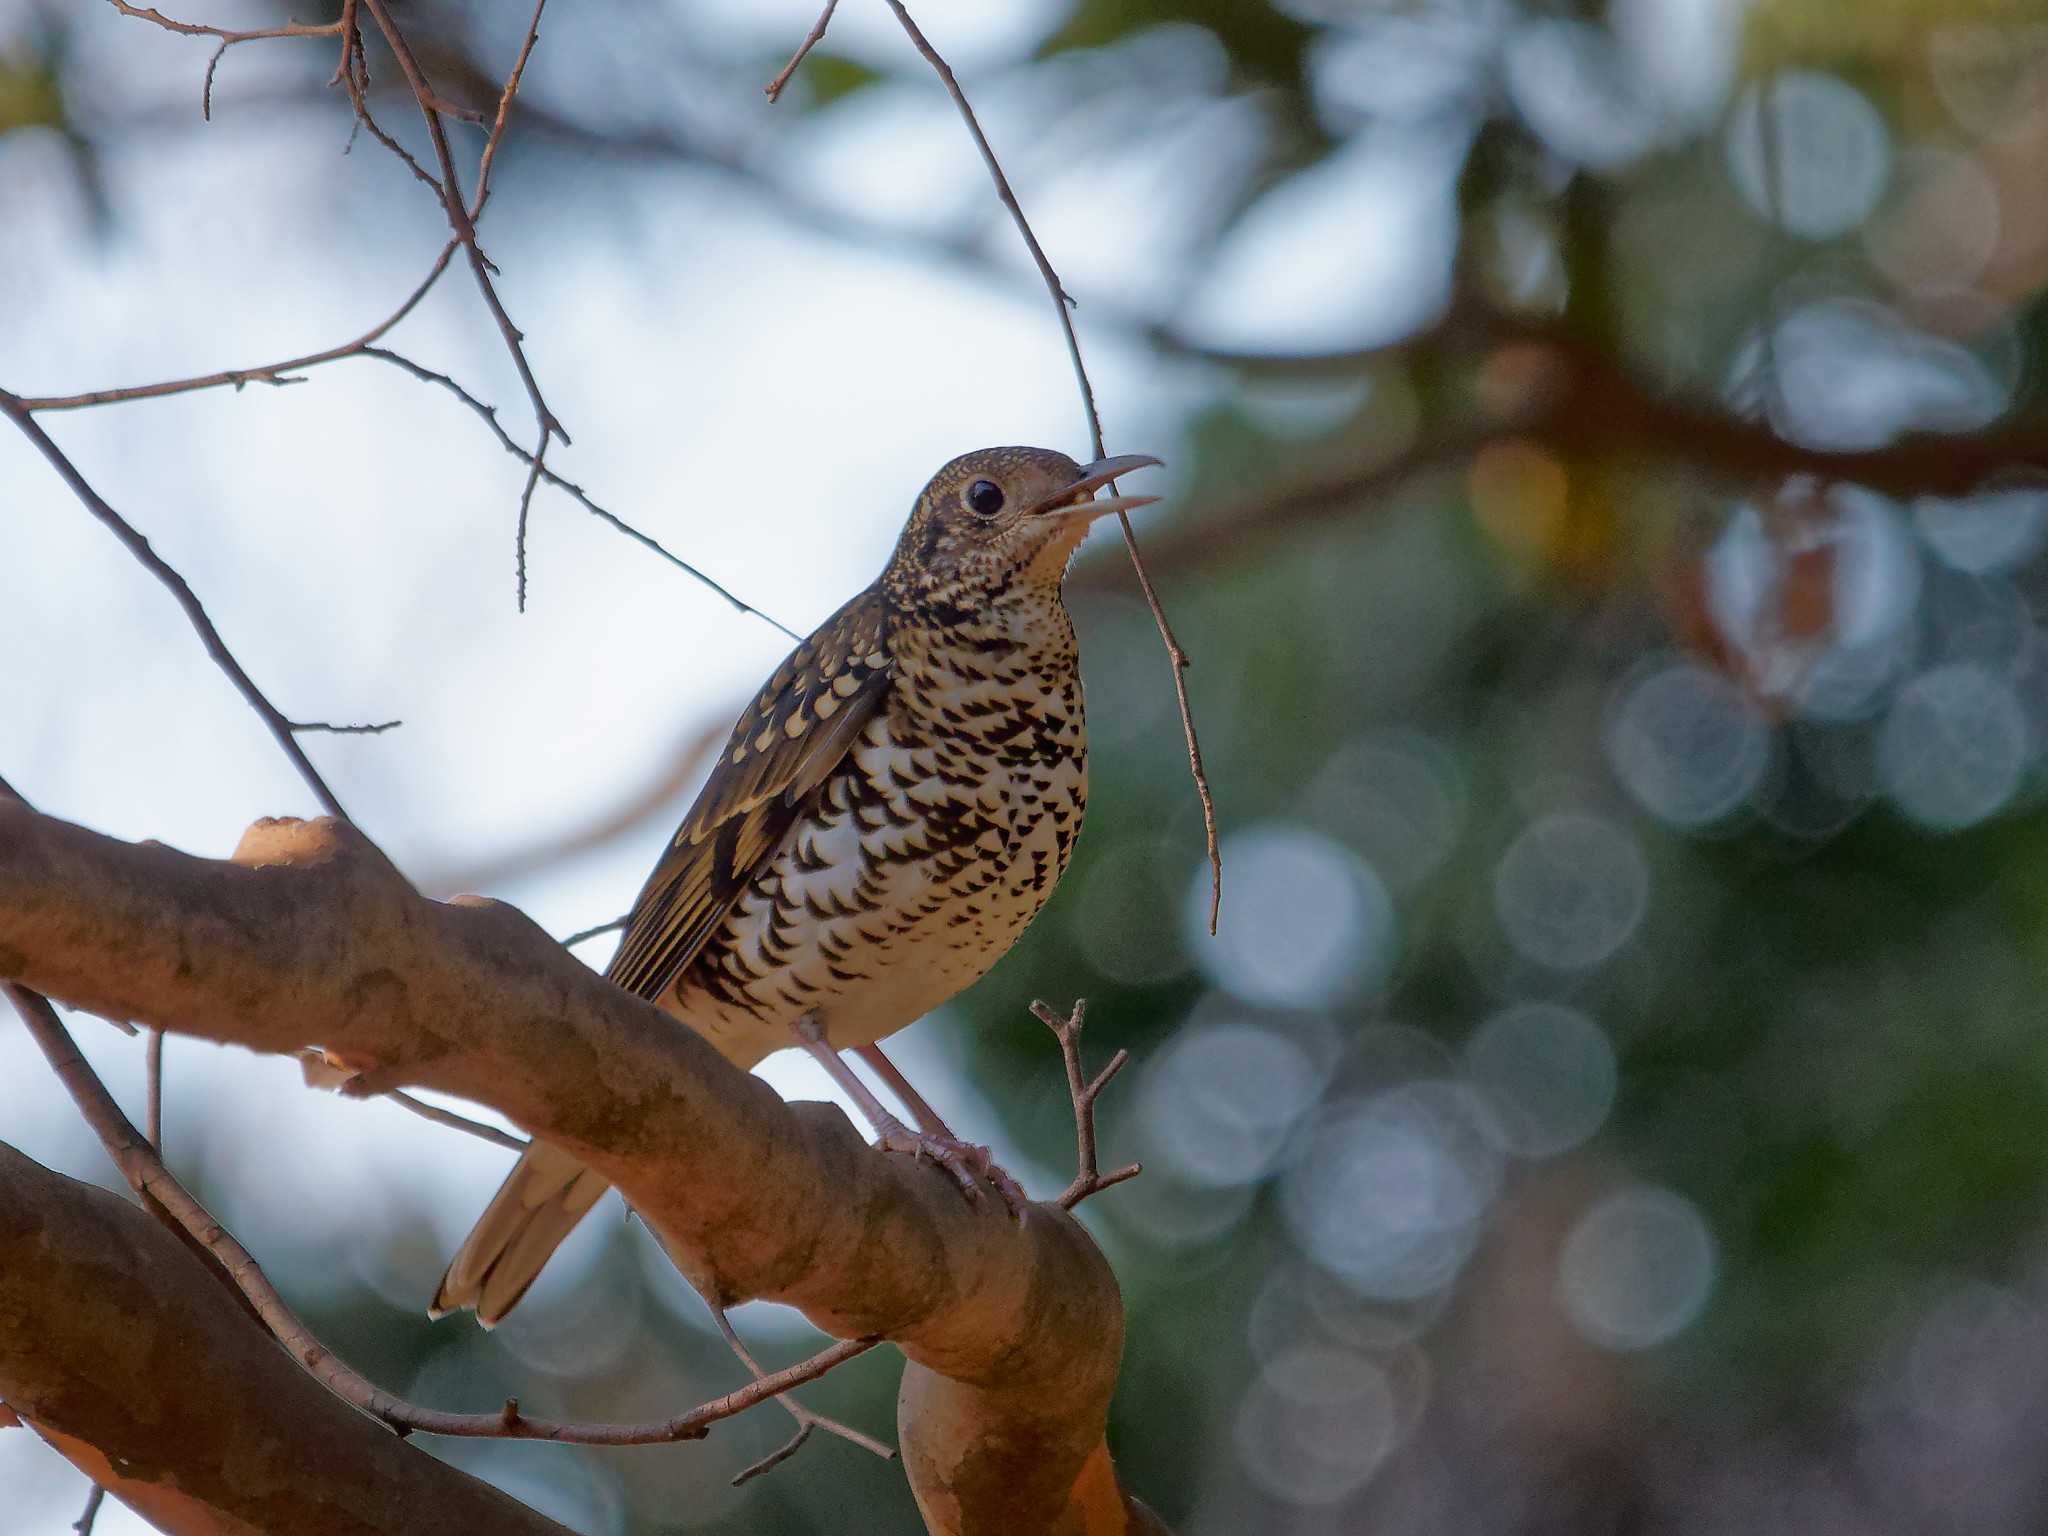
227,38
1089,1179
489,416
806,1420
1061,302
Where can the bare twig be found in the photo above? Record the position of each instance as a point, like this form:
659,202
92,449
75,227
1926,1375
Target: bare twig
536,466
463,222
459,219
1061,303
153,1060
811,40
806,1420
267,373
1089,1178
84,1523
455,1122
490,154
585,935
280,728
328,727
489,413
227,39
146,1174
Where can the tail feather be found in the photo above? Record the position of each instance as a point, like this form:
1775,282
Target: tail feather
537,1206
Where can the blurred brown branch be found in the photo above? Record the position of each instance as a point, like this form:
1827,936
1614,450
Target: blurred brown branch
1013,1331
1575,398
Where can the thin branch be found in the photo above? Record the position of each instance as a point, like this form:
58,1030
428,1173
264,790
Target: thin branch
84,1523
459,219
328,727
536,466
268,373
490,154
585,935
153,1060
806,1420
489,413
280,728
816,36
455,1122
146,1174
1062,302
227,38
1089,1178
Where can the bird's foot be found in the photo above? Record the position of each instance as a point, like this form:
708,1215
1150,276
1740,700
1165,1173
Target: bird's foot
970,1164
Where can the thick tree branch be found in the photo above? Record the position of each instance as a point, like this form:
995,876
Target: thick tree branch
308,937
136,1364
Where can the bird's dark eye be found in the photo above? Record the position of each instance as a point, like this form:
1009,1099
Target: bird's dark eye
986,497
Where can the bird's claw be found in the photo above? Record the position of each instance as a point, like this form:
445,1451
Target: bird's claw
969,1164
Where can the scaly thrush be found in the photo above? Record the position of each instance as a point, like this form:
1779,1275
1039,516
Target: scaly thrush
891,811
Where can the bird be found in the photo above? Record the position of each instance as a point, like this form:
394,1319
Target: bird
891,810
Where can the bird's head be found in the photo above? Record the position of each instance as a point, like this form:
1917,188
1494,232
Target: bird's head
1004,517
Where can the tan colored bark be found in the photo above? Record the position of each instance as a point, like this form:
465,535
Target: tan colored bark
125,1353
308,937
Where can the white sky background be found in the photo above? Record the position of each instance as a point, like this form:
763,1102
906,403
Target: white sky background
762,400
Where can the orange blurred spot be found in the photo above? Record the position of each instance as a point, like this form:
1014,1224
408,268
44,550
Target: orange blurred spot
1519,493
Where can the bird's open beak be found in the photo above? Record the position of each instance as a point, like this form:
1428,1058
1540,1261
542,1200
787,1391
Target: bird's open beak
1078,500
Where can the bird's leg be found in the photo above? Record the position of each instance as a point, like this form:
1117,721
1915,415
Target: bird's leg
926,1117
935,1129
963,1160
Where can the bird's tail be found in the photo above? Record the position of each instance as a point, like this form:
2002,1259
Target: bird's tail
538,1205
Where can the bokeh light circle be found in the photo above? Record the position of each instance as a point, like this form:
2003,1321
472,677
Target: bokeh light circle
1686,744
1316,1423
1954,746
1390,1191
1396,796
1637,1268
1992,531
1309,924
1220,1102
1570,890
1127,920
1548,1074
1826,161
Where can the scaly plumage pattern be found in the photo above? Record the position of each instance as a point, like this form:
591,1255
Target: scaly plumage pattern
891,811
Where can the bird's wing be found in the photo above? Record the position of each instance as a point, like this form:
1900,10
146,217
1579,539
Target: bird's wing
799,728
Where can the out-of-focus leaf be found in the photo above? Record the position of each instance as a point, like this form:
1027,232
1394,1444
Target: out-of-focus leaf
829,77
1891,33
1265,46
29,95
